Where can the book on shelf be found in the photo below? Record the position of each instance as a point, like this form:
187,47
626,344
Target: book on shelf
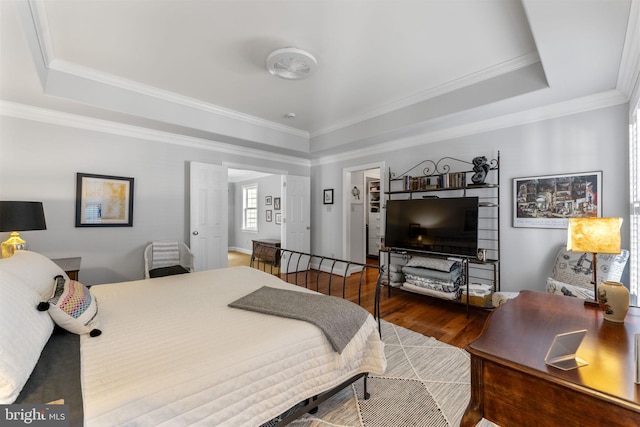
426,183
418,183
452,180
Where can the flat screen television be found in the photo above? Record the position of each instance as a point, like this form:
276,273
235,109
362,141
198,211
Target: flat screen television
443,225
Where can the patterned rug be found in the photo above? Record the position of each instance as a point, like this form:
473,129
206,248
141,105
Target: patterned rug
426,384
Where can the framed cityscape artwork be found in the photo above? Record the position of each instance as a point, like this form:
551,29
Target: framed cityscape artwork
549,201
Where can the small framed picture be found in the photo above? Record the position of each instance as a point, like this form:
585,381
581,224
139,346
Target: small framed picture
268,215
268,200
328,196
278,218
276,203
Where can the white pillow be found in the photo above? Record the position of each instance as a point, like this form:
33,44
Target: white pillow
23,334
432,263
34,270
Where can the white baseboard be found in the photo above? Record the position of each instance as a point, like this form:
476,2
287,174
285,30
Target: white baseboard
241,250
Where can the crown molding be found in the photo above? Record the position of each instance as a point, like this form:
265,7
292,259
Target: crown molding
468,80
33,15
28,112
38,27
78,71
578,105
629,75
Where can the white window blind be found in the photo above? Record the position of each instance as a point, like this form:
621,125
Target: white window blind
250,207
634,199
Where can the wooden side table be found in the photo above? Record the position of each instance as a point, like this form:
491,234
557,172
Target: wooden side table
512,385
71,266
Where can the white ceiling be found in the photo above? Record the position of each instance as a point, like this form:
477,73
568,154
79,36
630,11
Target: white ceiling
387,69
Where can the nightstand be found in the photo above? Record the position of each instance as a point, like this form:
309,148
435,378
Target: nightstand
71,266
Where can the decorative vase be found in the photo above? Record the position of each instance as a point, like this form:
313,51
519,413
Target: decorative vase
613,298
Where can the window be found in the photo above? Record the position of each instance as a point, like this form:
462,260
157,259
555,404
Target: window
634,200
250,207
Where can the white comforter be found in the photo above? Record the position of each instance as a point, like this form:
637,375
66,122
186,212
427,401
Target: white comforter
172,353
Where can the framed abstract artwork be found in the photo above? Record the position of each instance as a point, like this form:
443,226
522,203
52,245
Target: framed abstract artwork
103,201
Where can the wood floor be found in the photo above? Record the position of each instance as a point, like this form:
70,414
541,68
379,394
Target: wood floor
446,321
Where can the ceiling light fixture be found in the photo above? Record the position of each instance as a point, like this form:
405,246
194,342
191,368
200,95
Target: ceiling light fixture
291,63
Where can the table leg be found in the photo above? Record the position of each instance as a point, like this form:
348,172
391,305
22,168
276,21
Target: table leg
475,410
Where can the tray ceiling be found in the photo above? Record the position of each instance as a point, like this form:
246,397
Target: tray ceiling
387,69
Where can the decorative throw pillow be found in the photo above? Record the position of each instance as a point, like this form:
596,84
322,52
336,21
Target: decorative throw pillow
73,307
432,263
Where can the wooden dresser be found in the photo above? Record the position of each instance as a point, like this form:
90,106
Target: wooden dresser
512,386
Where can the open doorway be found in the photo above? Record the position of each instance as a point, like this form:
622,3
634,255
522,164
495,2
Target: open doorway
280,205
363,203
264,190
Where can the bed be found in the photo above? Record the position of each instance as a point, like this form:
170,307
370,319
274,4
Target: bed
172,352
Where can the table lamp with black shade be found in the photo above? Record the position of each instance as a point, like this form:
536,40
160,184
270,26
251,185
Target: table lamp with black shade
19,216
595,235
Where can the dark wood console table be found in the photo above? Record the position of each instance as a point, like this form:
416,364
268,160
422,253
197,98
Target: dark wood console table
267,250
512,386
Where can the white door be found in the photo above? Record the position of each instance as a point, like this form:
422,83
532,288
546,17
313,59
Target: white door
209,192
296,224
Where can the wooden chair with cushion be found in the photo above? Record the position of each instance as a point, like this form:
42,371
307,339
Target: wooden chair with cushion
167,258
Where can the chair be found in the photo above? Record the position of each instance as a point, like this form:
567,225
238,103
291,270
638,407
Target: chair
167,258
572,272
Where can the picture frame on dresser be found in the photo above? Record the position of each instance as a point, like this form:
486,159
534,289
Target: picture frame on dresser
104,200
549,201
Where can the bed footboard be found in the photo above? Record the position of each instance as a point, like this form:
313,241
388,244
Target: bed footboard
331,276
311,405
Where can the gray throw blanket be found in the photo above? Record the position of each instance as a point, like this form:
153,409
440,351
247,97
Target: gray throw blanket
339,319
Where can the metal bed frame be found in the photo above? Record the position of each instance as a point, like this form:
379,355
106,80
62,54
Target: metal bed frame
284,262
277,258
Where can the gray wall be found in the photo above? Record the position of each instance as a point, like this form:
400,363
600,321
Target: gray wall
590,141
39,161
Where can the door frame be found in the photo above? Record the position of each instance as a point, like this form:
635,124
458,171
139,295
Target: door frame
280,172
346,199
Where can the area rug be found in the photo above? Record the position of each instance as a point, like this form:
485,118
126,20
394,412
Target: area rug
426,384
